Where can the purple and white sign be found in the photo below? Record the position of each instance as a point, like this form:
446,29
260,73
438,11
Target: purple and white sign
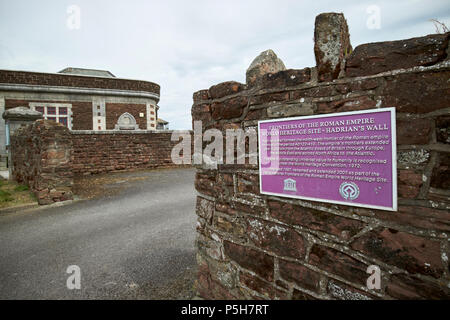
344,158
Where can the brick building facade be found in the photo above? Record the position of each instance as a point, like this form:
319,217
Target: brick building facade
81,99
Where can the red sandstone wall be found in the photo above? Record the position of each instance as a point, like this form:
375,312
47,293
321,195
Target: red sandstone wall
258,246
41,158
115,151
46,155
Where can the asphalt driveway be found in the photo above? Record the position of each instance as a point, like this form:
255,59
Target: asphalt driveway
135,243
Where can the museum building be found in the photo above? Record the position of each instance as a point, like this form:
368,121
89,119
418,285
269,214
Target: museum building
82,99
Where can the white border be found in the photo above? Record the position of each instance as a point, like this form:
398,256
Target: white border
394,158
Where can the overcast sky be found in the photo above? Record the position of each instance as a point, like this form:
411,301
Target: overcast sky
185,46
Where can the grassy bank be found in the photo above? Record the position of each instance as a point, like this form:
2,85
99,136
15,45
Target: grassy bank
13,194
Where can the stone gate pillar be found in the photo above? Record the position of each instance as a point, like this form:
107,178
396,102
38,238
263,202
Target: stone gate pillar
14,119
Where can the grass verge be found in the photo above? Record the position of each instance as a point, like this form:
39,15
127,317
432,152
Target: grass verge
13,194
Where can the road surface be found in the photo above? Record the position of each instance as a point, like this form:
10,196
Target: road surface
127,246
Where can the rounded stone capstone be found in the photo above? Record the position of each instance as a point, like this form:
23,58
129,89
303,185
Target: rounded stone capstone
22,114
266,62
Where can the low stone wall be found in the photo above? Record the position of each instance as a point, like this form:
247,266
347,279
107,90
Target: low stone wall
41,158
108,151
46,155
255,246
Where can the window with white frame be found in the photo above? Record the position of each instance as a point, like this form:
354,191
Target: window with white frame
58,112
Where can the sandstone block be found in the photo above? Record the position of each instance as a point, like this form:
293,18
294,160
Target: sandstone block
331,44
406,251
276,238
348,267
373,58
301,275
251,259
225,89
266,62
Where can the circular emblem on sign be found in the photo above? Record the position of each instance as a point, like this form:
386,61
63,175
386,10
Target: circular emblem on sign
349,190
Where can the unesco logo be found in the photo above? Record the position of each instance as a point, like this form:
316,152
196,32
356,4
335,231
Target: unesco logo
290,185
349,190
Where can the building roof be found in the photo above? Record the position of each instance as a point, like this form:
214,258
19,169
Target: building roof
159,120
64,82
88,72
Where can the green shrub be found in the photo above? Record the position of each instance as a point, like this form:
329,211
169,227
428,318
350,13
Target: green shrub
21,188
5,196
